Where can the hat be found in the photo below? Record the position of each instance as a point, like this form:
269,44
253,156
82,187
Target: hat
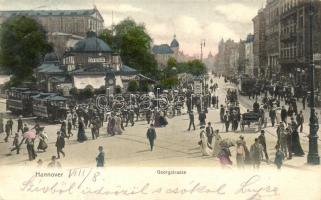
241,137
100,148
262,131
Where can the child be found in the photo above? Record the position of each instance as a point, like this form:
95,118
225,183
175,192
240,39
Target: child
16,143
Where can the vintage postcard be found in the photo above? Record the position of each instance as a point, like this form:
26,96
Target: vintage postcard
160,99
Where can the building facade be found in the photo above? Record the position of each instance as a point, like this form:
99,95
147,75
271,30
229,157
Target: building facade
227,58
87,63
260,60
272,27
295,37
77,22
249,56
64,27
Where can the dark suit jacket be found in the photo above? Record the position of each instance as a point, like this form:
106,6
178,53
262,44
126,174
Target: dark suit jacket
151,134
60,143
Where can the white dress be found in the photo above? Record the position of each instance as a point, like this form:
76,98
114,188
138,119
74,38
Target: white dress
118,125
204,148
216,144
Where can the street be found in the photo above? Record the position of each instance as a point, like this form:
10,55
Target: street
174,146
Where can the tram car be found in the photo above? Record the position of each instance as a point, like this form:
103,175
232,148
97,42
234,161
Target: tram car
50,107
19,101
246,85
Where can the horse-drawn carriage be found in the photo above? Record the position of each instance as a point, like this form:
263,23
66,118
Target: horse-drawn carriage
250,118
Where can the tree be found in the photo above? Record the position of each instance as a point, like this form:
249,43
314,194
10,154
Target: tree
74,92
133,43
169,82
88,92
132,86
23,44
171,63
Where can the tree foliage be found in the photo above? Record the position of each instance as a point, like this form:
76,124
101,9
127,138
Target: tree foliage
133,43
87,92
132,86
23,44
194,67
170,82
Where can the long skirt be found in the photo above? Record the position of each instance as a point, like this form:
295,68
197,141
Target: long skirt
216,147
81,136
42,145
118,127
225,160
296,145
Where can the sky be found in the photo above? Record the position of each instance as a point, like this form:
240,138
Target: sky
190,20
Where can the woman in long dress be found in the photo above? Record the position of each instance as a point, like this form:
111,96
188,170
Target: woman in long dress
42,140
204,144
81,131
296,145
216,144
118,125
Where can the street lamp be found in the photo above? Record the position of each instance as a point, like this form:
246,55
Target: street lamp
313,156
157,97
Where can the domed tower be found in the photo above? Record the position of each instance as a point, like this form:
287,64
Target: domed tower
51,58
175,46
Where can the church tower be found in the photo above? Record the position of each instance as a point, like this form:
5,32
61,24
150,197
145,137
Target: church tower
175,46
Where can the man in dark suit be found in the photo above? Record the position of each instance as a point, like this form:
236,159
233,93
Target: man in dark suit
209,133
60,144
227,120
191,121
284,115
20,124
272,116
222,112
151,135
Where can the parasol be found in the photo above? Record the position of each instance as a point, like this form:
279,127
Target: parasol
29,135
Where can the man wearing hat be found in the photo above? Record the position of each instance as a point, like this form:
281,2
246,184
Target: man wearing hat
209,133
227,119
16,143
262,141
191,120
60,144
10,124
20,124
272,115
100,159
